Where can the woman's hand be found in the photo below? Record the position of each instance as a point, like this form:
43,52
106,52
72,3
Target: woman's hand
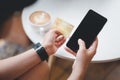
83,58
52,41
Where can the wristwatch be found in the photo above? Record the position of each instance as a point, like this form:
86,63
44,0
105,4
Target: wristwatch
40,50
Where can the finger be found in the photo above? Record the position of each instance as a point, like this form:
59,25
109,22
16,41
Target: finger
57,32
60,42
82,48
81,44
70,51
94,45
59,38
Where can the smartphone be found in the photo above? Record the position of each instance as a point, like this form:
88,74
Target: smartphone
87,30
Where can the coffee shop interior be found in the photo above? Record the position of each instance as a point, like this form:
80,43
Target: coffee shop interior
13,41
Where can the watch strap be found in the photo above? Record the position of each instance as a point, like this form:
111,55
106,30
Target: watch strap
40,50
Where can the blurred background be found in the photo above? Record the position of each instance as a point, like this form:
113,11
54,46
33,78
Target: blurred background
13,41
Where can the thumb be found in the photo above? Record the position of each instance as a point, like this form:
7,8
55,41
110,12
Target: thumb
81,44
81,47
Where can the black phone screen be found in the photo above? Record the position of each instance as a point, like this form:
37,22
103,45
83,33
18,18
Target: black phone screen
87,30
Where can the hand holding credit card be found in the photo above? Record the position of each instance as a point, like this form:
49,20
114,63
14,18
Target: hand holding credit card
64,27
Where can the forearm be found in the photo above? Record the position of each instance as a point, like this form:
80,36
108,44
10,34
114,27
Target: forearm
15,66
78,73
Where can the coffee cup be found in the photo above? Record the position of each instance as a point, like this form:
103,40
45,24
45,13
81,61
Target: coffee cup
40,21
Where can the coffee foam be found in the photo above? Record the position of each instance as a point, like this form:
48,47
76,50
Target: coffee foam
39,18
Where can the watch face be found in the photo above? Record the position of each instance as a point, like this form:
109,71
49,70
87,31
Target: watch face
37,45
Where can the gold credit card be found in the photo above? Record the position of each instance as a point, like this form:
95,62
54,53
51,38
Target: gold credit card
64,27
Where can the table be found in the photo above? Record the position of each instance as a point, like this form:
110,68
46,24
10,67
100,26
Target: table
73,12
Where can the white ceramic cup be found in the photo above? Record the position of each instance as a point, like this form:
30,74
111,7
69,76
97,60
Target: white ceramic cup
40,21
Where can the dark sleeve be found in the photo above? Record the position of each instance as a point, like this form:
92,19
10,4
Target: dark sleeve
8,7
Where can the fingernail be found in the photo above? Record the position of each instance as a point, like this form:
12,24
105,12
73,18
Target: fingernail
79,40
59,38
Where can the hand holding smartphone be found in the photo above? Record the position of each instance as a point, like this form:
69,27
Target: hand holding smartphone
87,30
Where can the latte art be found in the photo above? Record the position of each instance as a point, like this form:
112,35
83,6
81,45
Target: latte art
39,18
40,21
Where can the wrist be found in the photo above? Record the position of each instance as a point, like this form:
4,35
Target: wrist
80,66
76,75
78,71
49,48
